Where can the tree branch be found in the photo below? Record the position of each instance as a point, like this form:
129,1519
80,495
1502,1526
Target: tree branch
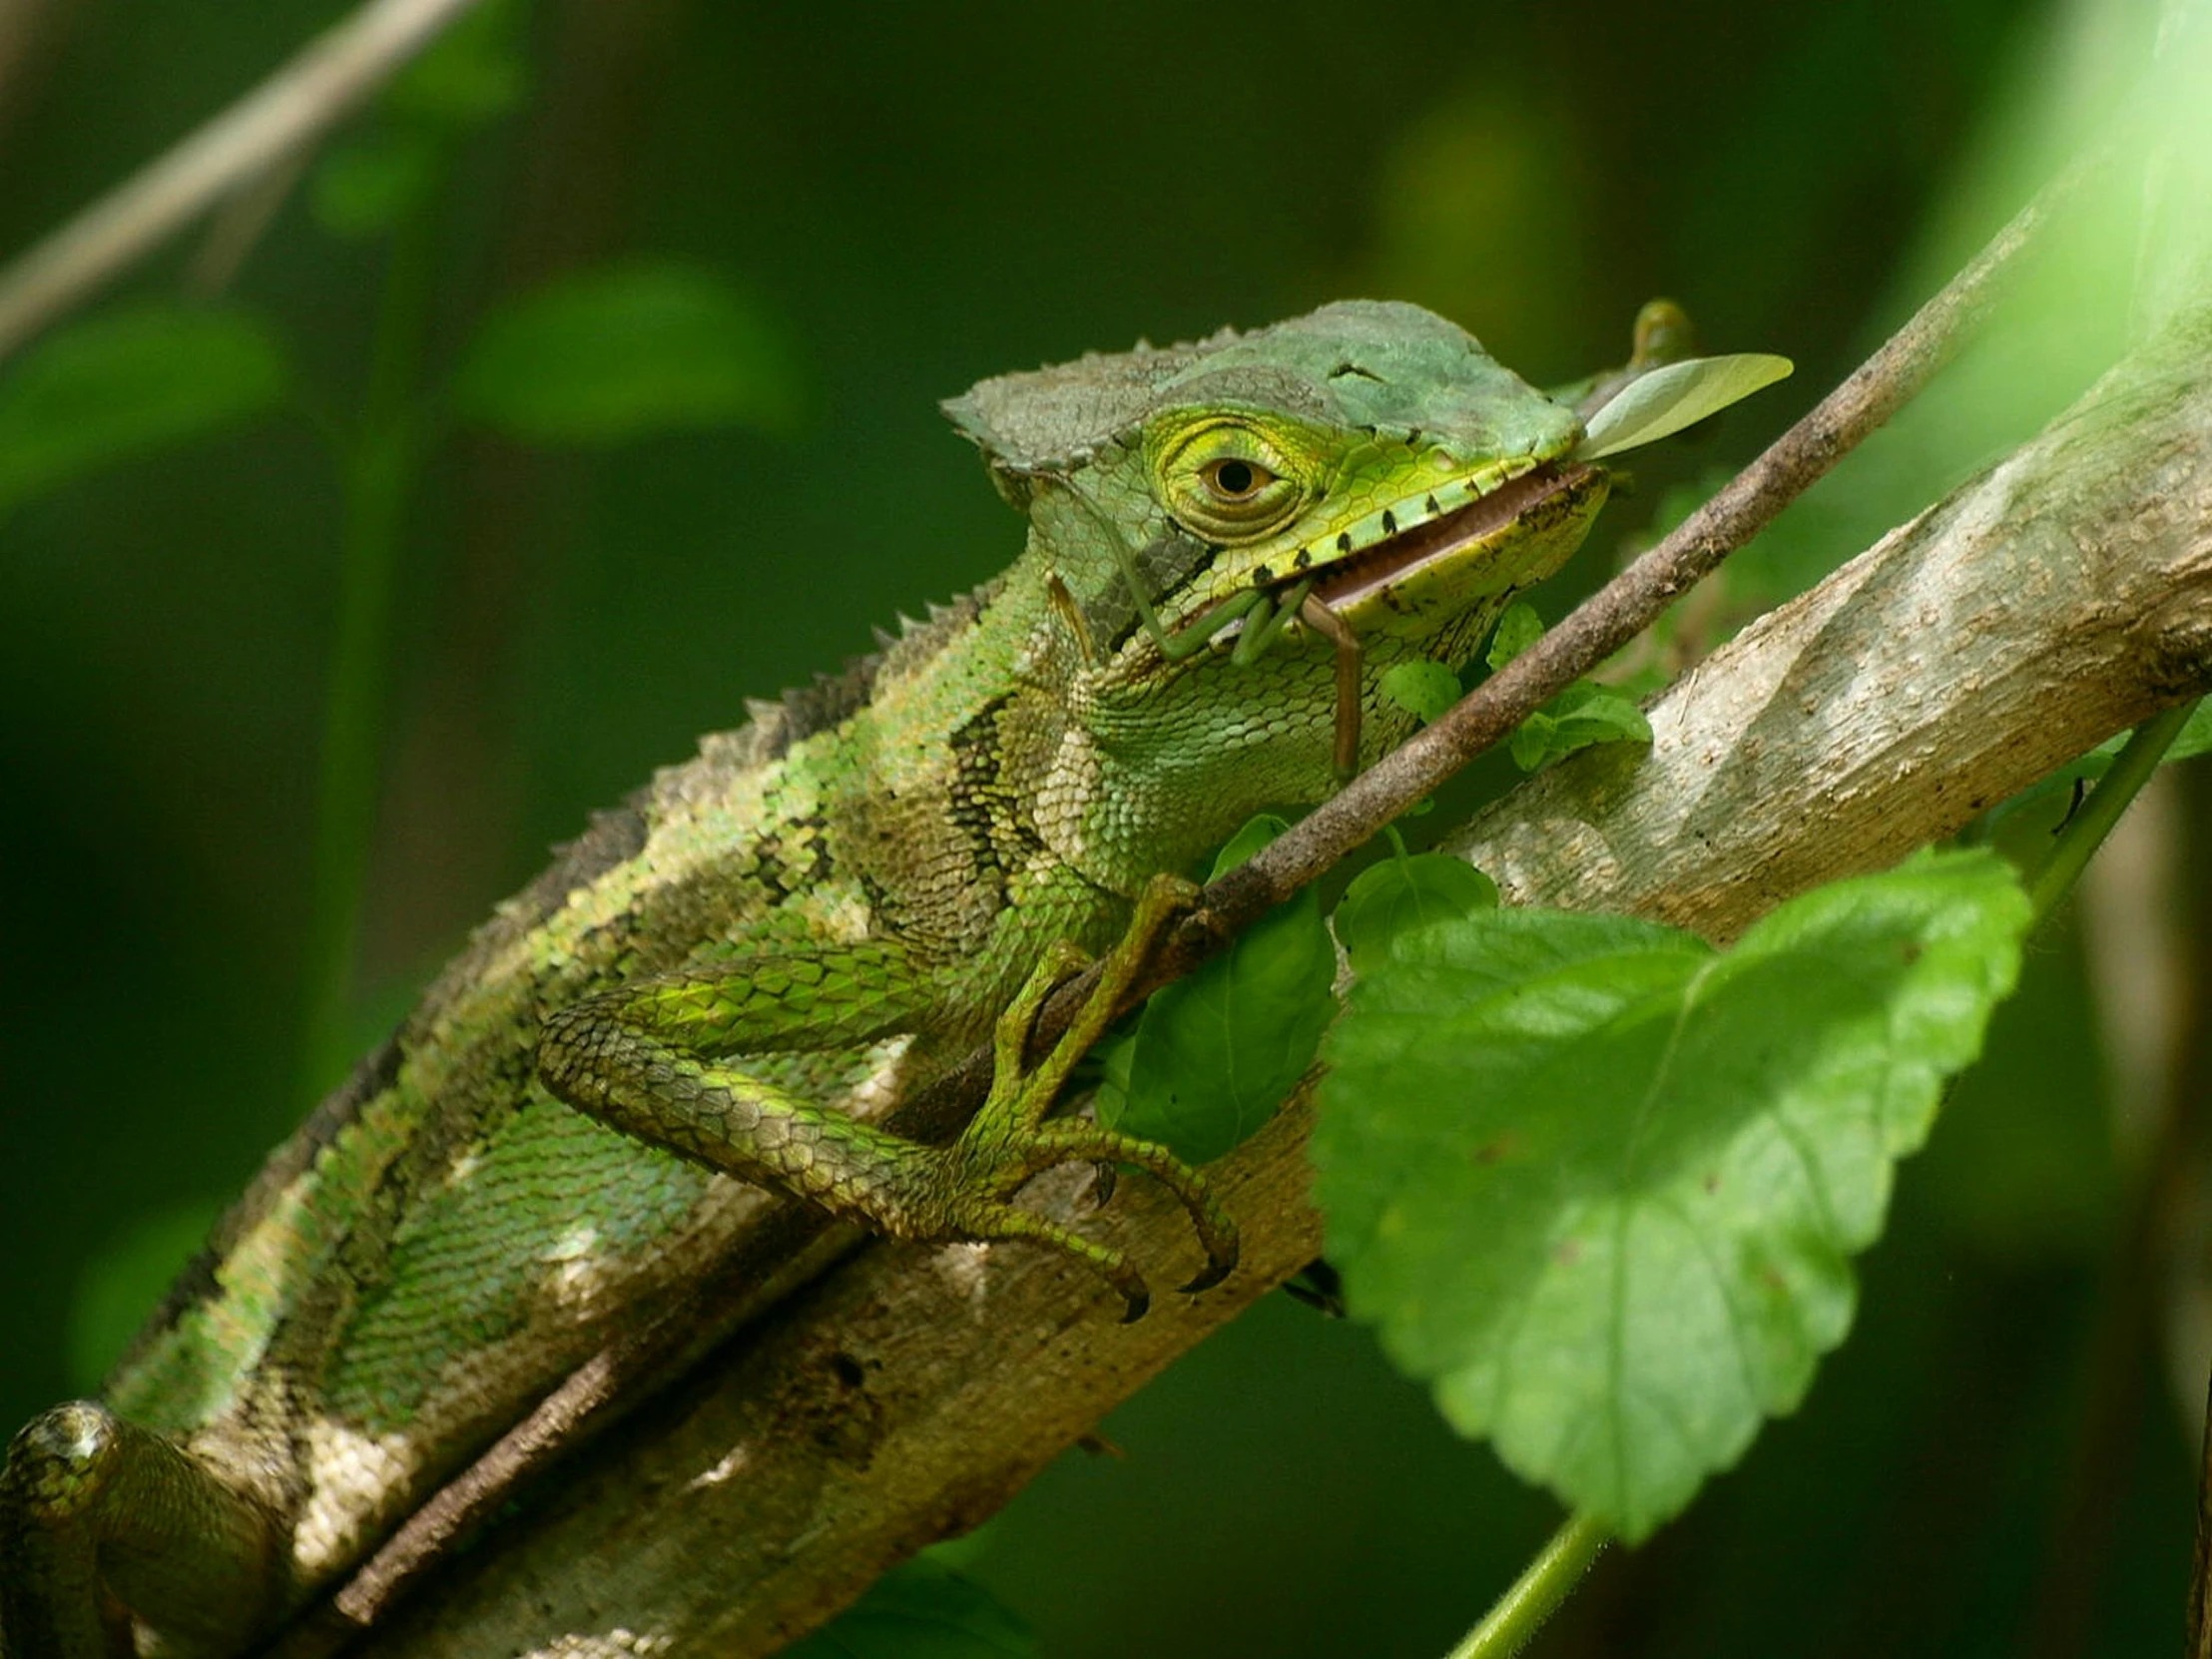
329,77
2062,595
1634,600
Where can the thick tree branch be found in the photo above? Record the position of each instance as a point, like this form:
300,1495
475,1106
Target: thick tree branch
2053,600
2060,596
1629,604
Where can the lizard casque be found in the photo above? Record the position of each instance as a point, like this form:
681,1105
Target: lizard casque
767,949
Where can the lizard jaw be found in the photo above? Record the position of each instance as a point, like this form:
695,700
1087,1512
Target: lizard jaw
1371,573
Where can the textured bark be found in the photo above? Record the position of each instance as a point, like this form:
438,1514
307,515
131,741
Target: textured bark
2063,595
2059,597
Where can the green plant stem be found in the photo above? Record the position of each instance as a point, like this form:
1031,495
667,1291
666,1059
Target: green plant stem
1520,1612
2085,832
380,469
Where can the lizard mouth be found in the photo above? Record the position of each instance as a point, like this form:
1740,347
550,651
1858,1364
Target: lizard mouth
1411,579
1370,572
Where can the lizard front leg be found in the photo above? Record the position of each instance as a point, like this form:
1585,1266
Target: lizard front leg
643,1058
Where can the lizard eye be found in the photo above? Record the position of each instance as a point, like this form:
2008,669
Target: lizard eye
1224,478
1234,481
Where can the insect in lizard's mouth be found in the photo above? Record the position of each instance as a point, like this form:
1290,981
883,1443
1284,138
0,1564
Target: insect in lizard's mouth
1450,568
1370,573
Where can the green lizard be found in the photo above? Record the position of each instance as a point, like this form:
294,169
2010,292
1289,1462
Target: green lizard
767,948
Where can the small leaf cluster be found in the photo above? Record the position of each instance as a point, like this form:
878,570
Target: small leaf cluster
1583,715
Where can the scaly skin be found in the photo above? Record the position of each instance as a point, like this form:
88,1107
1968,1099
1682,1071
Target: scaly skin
763,951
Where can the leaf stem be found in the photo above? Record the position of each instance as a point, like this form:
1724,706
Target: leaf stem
2085,832
1533,1598
380,468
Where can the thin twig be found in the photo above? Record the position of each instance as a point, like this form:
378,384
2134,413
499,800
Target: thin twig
329,78
1633,600
238,224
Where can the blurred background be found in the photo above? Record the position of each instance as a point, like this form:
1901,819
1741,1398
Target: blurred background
393,482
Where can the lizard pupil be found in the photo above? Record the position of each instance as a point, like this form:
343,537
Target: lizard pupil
1237,480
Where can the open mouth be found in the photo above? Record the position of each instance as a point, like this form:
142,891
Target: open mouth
1330,600
1356,576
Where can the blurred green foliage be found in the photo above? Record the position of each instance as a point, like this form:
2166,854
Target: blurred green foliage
130,382
809,227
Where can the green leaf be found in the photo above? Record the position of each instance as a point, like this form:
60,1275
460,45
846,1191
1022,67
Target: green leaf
363,189
1214,1053
1421,687
1400,894
1582,715
126,383
1599,1184
1518,629
921,1610
1663,402
624,351
1588,713
1256,832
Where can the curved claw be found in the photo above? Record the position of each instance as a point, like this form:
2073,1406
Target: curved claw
1216,1268
1139,1303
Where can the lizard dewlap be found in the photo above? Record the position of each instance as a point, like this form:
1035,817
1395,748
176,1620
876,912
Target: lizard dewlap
708,1004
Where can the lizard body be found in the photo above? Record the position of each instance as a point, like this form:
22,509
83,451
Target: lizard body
724,982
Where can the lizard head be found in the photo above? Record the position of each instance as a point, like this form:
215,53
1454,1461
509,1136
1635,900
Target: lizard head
1370,453
1213,519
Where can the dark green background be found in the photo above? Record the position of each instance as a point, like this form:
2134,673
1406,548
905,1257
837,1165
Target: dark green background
919,197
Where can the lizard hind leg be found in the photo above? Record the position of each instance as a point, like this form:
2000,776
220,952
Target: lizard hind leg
1009,1141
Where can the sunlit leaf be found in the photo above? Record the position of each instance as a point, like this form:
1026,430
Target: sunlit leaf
1214,1053
625,352
126,383
1599,1184
1400,894
1658,404
1518,629
1421,687
921,1610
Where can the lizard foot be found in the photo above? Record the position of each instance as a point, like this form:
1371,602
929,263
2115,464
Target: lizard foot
1010,1140
988,1172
